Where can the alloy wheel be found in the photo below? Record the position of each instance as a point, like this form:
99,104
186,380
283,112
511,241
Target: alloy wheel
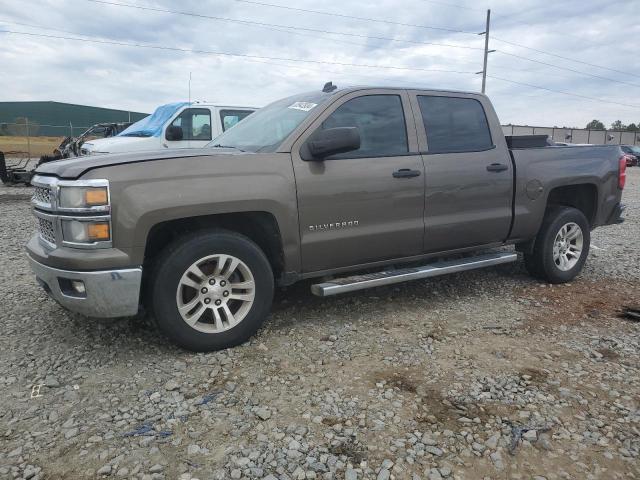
215,293
567,246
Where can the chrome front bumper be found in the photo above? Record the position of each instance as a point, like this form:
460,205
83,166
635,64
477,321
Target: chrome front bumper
108,293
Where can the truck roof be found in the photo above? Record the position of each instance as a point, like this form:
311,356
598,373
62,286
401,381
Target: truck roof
217,105
350,88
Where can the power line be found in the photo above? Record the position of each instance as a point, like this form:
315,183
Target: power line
563,93
278,27
520,12
562,57
227,54
35,25
305,68
254,57
475,9
353,17
275,25
281,30
31,25
454,5
261,59
567,69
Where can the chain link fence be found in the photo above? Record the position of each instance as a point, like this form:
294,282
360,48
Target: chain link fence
26,139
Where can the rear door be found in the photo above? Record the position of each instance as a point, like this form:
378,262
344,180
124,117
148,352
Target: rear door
196,128
366,205
468,172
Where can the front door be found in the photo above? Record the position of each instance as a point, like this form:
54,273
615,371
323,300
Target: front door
196,128
366,205
468,172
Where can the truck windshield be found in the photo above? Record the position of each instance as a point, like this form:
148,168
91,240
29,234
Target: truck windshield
264,130
152,125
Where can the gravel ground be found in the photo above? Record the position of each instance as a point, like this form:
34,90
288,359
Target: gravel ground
486,374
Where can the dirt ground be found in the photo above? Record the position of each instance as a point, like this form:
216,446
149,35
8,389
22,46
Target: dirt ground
36,145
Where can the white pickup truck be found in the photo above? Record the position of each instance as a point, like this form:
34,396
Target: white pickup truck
175,125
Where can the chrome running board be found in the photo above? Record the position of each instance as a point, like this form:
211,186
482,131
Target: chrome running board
360,282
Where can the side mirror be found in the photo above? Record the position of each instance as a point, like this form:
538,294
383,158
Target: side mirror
174,133
332,141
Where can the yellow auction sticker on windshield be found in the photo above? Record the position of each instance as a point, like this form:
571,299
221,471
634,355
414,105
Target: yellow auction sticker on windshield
304,106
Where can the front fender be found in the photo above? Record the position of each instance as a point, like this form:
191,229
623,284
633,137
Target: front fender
148,193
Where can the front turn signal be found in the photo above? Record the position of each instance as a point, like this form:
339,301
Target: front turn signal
98,232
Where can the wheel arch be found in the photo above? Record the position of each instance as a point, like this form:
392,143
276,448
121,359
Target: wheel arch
581,196
259,226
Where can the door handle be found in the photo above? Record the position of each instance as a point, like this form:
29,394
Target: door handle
497,167
406,173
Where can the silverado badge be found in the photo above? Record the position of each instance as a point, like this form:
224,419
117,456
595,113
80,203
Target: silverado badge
333,226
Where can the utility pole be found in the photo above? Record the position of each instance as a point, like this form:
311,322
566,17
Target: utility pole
189,88
486,51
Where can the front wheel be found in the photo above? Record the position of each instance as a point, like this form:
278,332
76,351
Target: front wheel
211,290
561,246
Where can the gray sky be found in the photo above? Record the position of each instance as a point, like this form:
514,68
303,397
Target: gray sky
604,33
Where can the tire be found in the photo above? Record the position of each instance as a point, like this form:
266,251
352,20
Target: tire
547,261
204,324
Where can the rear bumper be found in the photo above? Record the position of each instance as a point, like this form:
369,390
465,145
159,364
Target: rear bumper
616,215
108,293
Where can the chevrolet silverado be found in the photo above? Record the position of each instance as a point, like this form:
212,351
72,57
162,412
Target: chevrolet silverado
354,187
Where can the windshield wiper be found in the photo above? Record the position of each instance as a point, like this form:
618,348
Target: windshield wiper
227,146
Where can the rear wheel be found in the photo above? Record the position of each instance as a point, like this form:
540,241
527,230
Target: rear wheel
561,246
211,290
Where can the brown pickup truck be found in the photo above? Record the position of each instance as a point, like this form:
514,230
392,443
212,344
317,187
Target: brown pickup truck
394,184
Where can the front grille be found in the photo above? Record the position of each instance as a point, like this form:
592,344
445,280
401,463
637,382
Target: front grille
46,230
42,195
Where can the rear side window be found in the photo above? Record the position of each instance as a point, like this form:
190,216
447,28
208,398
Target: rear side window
454,124
230,117
380,121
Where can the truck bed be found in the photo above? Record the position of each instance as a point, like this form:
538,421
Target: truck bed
540,170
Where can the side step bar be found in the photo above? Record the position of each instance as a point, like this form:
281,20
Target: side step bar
360,282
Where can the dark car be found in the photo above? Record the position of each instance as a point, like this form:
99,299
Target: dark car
632,154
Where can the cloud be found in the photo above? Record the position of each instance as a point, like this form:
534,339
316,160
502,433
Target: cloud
124,77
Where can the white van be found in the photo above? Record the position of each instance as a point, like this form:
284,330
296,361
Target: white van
175,125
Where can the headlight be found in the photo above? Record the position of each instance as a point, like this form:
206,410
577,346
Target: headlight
83,197
85,231
73,213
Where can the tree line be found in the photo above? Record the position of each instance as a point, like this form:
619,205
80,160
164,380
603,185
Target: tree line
618,126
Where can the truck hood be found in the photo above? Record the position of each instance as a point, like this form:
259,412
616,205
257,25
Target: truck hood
118,144
73,168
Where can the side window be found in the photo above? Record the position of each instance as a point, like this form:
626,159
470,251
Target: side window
454,124
230,117
195,124
380,121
